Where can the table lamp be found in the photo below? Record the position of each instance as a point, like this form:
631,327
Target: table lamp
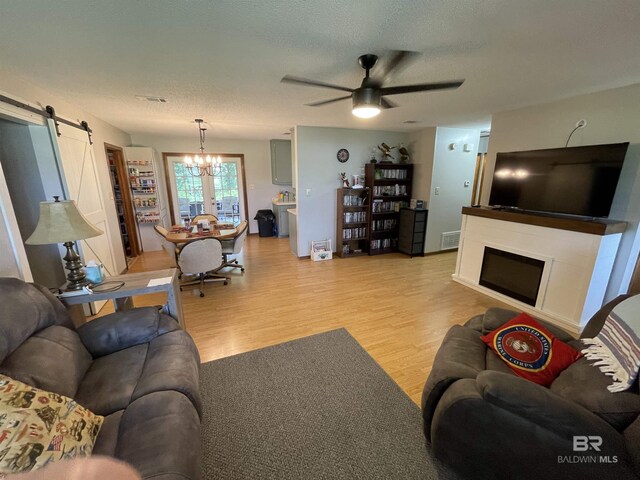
62,222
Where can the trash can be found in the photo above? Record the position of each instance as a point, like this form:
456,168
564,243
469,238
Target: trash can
266,220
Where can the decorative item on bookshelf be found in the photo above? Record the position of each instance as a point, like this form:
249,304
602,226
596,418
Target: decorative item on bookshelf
345,180
386,153
373,158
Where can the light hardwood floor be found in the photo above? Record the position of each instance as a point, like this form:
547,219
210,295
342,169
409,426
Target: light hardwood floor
398,308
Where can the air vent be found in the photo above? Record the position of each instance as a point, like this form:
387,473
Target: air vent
151,98
411,121
450,240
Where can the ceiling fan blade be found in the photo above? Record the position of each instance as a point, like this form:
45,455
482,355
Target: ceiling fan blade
384,103
421,87
326,102
312,83
398,61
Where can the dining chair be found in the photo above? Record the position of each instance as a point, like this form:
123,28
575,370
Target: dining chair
234,247
161,230
227,207
204,216
201,257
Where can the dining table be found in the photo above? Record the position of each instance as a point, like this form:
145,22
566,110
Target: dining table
180,234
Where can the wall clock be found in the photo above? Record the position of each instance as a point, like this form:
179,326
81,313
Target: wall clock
343,155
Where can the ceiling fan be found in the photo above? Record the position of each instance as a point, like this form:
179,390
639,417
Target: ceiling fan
368,99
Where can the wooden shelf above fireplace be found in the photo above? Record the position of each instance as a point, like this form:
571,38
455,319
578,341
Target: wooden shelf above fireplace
562,222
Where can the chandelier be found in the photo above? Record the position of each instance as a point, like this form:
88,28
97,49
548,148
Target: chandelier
200,165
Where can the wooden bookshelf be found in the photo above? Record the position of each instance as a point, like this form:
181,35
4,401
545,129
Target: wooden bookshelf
352,229
390,186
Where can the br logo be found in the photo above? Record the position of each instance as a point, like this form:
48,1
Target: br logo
583,443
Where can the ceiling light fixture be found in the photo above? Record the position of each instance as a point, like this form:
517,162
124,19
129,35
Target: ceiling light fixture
200,165
366,102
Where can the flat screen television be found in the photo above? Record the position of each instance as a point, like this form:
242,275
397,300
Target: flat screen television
575,180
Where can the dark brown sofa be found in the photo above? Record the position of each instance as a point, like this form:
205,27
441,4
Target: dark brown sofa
137,368
486,422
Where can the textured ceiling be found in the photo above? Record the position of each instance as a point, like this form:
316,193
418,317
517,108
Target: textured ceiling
223,60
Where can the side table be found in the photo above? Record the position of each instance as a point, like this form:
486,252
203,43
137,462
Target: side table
137,284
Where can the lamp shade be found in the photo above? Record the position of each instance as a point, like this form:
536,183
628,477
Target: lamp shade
61,222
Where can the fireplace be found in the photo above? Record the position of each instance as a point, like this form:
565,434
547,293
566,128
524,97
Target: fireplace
511,274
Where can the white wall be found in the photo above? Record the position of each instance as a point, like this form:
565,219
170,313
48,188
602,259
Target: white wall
257,164
451,169
612,116
319,170
15,86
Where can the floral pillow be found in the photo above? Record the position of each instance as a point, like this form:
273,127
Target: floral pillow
39,427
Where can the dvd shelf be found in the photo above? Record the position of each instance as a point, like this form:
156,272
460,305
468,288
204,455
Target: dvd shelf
352,229
390,185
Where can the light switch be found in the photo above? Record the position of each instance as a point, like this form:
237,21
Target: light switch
467,183
308,192
437,192
468,147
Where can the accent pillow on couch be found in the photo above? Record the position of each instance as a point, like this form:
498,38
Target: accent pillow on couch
39,427
531,350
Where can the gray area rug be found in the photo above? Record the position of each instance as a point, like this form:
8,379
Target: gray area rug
318,407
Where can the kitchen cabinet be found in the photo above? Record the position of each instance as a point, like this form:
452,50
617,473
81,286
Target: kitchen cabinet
281,167
282,219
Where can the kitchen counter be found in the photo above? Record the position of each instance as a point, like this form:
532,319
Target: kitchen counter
282,220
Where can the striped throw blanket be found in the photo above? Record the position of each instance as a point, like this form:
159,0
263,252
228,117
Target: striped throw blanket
616,348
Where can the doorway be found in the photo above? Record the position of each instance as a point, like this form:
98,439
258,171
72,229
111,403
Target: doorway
123,202
223,194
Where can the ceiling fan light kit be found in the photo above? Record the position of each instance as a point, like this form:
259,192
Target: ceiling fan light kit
366,102
368,99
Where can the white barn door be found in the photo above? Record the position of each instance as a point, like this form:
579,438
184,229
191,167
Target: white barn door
80,174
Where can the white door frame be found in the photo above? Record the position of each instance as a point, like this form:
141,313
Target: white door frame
225,157
208,195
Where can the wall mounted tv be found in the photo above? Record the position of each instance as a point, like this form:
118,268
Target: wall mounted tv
575,180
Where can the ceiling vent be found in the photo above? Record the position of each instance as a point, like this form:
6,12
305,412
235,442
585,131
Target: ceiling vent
151,98
411,121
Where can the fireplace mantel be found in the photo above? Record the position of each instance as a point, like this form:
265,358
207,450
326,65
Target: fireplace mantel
596,226
578,256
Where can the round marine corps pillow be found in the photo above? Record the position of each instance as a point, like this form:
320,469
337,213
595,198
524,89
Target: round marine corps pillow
530,350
